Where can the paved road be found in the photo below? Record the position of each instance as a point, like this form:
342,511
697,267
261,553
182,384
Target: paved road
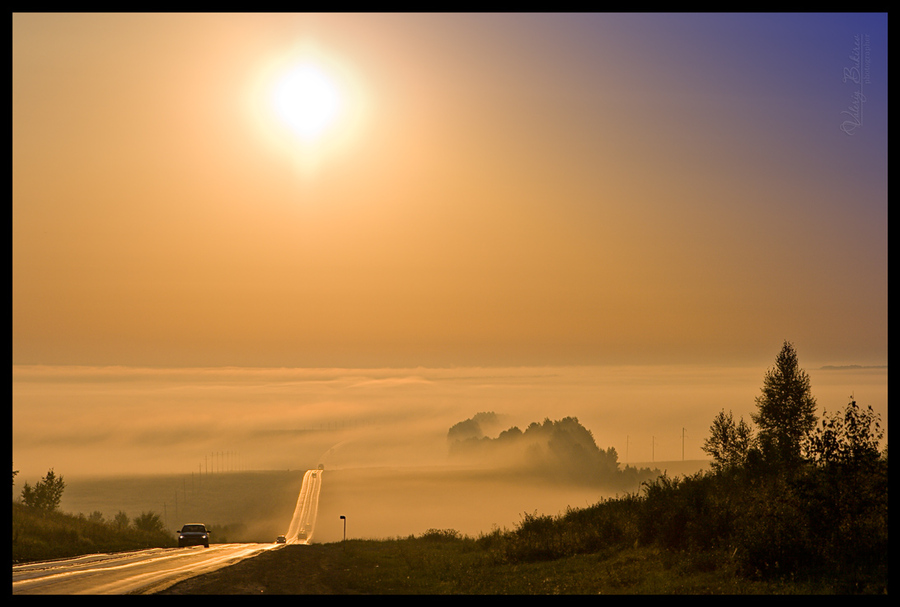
139,572
148,571
304,519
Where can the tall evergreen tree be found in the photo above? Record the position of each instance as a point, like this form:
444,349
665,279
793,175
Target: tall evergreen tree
786,410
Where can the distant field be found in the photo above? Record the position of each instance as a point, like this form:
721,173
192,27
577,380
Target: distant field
257,505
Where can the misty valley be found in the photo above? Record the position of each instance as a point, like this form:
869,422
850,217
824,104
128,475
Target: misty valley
400,455
486,483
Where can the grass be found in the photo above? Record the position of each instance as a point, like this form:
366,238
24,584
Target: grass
418,566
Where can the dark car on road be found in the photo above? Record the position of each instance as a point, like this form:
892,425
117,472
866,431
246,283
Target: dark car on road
193,534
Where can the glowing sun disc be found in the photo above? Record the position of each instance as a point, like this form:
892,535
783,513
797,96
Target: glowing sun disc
307,101
308,105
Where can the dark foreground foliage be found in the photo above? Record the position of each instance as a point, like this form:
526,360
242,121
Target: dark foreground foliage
42,535
592,551
826,524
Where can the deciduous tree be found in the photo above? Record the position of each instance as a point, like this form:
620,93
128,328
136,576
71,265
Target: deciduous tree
850,437
121,520
729,443
148,521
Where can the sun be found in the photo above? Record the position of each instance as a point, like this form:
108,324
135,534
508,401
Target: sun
309,104
307,100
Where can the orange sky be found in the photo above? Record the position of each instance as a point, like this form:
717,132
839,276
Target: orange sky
505,190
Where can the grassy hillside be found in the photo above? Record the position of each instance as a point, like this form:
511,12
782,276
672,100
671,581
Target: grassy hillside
38,535
739,531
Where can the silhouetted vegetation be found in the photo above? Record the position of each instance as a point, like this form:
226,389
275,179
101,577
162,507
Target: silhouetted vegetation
786,410
473,428
563,450
149,522
811,504
46,493
729,443
40,535
820,523
40,531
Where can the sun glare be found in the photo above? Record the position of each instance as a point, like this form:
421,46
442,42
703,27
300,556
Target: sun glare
307,101
308,105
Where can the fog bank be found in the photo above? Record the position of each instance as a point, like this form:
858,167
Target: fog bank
112,421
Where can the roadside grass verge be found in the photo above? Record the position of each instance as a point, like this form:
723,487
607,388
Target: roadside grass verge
416,566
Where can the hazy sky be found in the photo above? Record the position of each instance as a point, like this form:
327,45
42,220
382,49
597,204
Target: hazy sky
493,190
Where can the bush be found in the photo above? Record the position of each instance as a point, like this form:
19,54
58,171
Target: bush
442,535
149,522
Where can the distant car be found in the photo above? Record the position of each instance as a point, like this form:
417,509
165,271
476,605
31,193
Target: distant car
302,534
193,534
280,540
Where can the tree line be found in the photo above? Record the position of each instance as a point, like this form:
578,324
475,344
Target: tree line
561,450
786,436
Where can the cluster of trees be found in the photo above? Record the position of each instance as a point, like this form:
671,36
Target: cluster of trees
561,449
150,522
46,494
790,496
473,429
786,436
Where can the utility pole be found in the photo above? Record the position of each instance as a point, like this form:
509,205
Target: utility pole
682,443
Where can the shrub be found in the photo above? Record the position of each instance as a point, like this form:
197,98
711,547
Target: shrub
442,535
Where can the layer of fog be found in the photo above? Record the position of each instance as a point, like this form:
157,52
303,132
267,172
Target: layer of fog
87,422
